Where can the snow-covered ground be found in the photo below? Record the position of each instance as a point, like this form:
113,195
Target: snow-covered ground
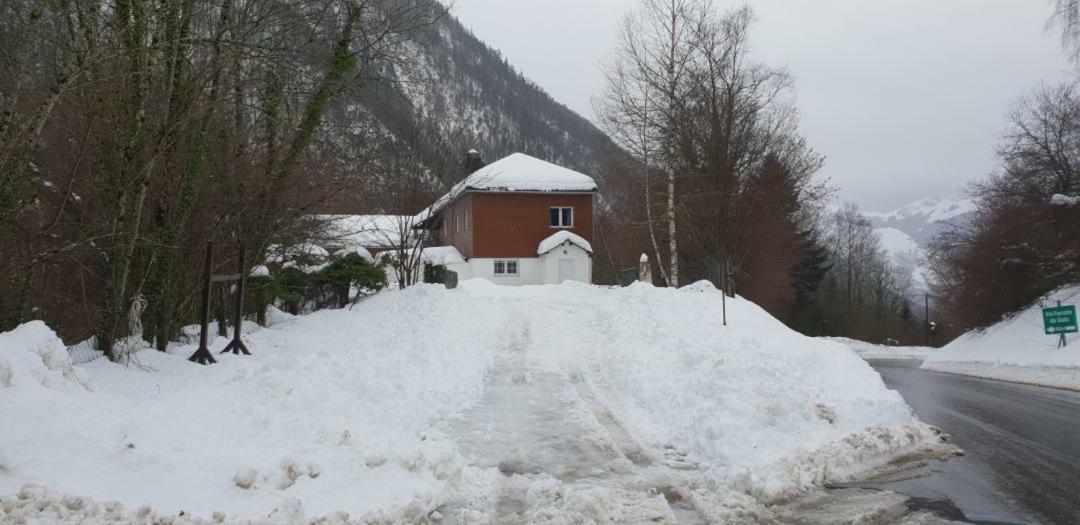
557,403
871,351
1016,349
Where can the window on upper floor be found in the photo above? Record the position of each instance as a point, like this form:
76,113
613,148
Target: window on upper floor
562,217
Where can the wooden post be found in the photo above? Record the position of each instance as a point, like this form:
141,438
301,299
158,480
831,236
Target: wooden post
720,275
729,275
237,345
222,312
926,315
203,355
723,305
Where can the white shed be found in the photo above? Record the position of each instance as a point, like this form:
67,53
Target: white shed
565,256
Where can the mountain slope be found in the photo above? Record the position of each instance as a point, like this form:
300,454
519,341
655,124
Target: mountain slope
924,218
906,231
476,99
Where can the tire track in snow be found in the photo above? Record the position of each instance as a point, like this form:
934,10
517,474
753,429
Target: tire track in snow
533,427
667,470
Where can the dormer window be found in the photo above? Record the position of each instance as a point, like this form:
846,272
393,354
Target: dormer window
562,217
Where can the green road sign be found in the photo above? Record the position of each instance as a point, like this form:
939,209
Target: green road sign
1060,320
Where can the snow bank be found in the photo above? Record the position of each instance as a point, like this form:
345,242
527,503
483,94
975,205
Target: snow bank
333,412
33,359
760,407
348,411
871,351
1016,349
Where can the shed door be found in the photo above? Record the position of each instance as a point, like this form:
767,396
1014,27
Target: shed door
566,270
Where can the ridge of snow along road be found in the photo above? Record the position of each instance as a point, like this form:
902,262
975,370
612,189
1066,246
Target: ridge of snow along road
1016,349
344,413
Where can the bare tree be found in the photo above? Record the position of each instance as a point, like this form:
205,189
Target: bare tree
867,293
643,106
1066,20
1022,242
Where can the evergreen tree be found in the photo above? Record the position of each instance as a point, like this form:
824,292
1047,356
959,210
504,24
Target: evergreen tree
807,316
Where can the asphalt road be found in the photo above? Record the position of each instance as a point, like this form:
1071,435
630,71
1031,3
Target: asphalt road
1022,443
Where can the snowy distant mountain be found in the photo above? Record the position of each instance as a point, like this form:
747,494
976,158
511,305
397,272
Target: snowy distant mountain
906,231
924,218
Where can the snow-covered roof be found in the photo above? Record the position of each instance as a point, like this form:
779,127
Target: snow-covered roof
368,231
516,173
1064,200
443,255
560,237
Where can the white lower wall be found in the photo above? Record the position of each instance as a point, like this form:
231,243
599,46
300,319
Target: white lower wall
535,270
530,271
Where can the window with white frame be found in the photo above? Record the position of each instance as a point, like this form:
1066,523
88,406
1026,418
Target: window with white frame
562,217
506,268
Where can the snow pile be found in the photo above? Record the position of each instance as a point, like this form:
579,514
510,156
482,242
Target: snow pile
758,406
1016,349
441,255
333,412
560,237
871,351
354,411
33,358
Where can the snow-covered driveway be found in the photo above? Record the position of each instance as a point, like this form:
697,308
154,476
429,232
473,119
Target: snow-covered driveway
482,404
561,453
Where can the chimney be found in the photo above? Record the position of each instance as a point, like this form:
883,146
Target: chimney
473,162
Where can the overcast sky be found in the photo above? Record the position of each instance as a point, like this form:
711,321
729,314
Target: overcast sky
906,98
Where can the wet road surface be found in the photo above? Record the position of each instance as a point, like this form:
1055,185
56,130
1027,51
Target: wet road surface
1022,443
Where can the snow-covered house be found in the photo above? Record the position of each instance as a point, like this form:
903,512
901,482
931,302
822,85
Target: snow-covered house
519,220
